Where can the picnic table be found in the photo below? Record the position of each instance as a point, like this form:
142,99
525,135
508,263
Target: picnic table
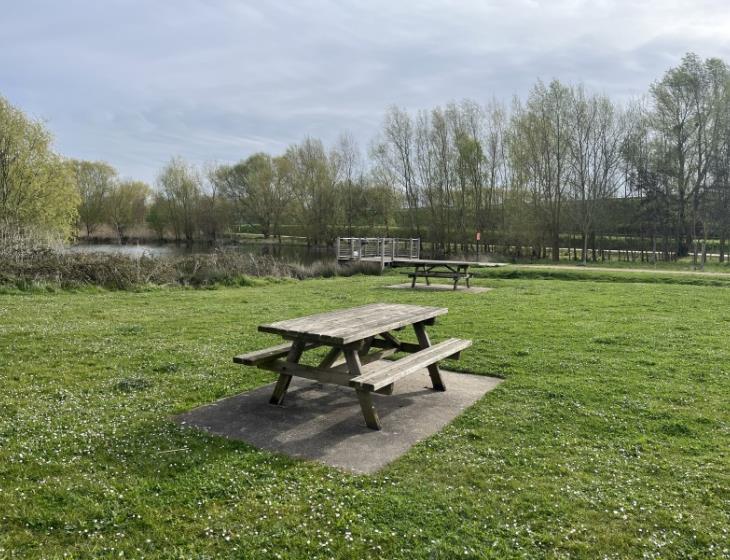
359,341
455,270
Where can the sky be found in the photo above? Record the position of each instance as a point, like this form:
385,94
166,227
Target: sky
136,82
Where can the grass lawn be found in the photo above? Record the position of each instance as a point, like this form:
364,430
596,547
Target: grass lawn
610,437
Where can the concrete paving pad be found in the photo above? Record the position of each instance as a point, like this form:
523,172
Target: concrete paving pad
324,423
440,288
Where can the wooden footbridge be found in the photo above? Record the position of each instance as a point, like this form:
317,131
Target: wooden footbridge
394,252
383,250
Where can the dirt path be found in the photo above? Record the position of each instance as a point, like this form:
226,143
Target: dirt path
616,269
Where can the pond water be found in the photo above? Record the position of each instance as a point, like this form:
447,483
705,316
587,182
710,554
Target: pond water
287,252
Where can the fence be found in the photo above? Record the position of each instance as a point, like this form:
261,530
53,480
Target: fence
383,249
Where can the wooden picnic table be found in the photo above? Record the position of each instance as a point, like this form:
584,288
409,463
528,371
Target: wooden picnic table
454,270
359,341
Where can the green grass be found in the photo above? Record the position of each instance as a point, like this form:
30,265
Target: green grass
601,275
683,264
610,437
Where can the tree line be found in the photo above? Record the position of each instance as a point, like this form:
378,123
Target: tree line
563,162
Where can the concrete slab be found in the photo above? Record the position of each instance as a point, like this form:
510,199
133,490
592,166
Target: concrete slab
440,288
324,422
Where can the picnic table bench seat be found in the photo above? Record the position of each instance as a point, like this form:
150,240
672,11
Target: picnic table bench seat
377,375
267,354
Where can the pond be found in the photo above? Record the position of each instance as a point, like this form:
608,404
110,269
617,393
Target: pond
288,252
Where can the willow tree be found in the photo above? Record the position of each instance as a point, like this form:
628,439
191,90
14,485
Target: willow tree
94,181
38,196
180,187
126,206
257,190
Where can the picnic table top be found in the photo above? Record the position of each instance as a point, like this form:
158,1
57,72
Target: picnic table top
436,262
345,326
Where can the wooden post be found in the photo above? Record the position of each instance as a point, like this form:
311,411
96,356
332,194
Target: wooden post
338,248
368,409
365,397
433,369
282,385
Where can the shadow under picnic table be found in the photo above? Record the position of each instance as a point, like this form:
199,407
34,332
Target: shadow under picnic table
324,422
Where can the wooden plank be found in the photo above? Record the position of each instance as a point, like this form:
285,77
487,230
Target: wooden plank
376,376
368,358
391,321
282,384
348,326
324,320
266,354
433,369
437,274
289,369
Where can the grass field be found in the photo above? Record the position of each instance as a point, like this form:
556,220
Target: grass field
609,439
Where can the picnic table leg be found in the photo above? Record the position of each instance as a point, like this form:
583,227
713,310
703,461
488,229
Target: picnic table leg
277,397
365,348
433,369
415,275
365,397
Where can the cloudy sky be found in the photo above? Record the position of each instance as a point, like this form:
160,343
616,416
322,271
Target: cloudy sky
134,82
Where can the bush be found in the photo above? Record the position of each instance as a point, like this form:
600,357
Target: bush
120,272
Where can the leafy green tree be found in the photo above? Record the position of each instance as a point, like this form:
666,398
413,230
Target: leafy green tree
258,189
95,181
126,206
312,177
38,194
158,218
180,186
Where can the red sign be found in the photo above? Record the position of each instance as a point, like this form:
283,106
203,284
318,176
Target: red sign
479,236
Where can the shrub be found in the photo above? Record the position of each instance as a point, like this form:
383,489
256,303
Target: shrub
120,272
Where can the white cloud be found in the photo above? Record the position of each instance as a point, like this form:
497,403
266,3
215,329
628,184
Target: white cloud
135,82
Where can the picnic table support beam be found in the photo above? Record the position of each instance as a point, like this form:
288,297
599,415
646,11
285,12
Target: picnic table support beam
330,358
282,384
365,397
433,369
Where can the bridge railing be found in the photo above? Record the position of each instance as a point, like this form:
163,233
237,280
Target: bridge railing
385,249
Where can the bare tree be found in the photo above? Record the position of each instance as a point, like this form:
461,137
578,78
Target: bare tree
394,152
596,137
540,148
348,159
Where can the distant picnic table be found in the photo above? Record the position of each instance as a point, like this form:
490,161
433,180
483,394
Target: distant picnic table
359,339
454,270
